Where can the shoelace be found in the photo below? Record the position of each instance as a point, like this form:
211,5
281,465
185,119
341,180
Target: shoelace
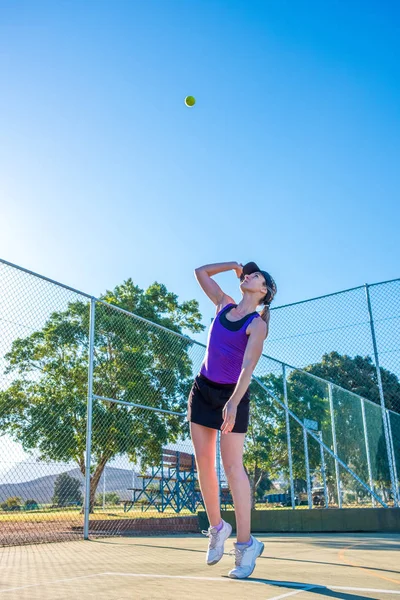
213,535
238,555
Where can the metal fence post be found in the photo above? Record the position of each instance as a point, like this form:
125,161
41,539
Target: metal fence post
323,470
289,441
371,484
381,396
219,463
308,476
89,420
338,485
396,481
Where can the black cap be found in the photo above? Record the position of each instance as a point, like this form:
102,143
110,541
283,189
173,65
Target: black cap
252,267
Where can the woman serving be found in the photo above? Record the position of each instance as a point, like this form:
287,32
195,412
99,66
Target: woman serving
219,400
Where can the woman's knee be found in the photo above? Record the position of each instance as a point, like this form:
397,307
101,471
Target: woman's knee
234,470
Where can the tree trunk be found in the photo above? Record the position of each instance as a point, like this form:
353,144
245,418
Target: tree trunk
331,491
385,494
94,482
253,492
255,481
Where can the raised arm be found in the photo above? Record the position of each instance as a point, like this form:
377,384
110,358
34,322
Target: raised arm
210,287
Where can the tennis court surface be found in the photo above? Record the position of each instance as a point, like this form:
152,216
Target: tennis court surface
309,566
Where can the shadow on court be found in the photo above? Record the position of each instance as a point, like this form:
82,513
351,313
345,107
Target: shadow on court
349,567
365,546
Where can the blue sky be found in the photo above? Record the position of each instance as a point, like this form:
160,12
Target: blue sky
289,158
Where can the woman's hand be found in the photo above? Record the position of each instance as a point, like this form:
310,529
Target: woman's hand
229,414
239,269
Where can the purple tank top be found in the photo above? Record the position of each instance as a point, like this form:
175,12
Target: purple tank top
226,347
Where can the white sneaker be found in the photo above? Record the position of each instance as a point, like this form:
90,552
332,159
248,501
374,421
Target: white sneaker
216,542
245,559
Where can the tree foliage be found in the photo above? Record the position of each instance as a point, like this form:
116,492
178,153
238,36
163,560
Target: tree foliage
266,453
110,498
359,375
44,408
266,450
12,503
67,490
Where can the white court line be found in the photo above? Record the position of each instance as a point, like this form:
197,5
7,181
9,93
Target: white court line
305,589
271,582
190,577
288,584
333,587
24,587
355,589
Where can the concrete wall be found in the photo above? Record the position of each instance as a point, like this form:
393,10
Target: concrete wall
332,519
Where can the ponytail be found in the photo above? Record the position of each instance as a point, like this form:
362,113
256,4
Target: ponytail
265,314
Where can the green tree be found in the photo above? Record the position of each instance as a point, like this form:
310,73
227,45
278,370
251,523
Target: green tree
67,489
31,504
266,450
358,375
309,398
262,448
12,503
111,498
264,486
44,407
382,476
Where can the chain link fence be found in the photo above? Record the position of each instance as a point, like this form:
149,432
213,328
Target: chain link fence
44,333
142,375
310,444
349,425
345,338
351,338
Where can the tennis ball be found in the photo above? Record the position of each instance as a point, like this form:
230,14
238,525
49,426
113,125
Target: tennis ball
190,101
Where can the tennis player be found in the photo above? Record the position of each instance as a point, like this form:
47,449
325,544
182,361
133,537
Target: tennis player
219,400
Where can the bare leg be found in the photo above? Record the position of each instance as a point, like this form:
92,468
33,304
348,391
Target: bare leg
204,442
232,458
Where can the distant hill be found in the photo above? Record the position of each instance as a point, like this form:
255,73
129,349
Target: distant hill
41,489
34,478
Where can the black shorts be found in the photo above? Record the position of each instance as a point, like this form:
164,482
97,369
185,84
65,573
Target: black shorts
206,401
